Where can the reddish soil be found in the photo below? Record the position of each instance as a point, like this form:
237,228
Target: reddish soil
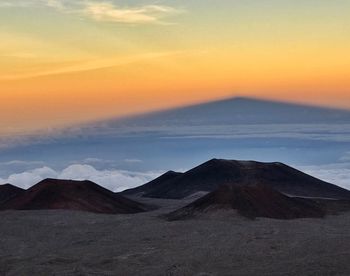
8,191
73,195
210,175
252,202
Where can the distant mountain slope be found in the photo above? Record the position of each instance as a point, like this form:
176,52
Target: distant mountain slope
216,172
241,111
73,195
251,202
152,185
8,191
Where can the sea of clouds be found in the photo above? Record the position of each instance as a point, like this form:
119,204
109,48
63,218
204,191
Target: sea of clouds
119,180
112,179
338,173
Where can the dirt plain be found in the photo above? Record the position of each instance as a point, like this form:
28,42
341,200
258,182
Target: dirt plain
224,243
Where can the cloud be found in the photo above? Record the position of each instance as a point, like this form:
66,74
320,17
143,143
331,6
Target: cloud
95,162
115,180
108,12
97,64
133,161
119,180
345,157
28,178
58,4
103,10
338,173
20,162
17,166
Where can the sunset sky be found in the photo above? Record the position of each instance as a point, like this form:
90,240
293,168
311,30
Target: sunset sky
69,61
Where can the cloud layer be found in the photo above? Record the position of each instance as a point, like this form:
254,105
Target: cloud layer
119,180
338,174
105,11
115,180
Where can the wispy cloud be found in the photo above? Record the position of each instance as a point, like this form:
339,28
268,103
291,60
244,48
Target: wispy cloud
31,3
104,11
345,157
96,64
57,4
12,4
109,12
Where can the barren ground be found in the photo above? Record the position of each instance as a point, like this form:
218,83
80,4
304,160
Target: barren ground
77,243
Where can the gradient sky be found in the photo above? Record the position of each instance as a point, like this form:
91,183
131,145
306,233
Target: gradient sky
68,61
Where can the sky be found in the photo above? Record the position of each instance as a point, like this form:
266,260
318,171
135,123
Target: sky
69,61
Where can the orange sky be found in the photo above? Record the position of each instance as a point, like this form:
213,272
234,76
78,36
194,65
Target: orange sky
79,62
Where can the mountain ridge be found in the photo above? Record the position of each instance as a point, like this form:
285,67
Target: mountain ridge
209,175
73,195
9,191
251,202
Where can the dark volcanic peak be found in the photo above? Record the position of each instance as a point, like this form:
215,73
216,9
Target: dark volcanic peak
8,191
154,184
73,195
208,176
251,202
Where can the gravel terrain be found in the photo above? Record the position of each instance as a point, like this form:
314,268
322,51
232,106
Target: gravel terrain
78,243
